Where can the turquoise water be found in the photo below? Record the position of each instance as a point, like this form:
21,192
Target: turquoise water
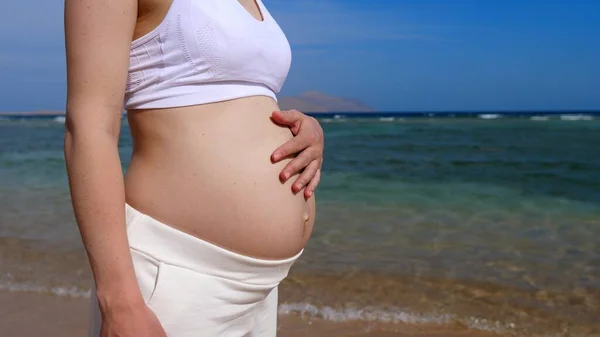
494,223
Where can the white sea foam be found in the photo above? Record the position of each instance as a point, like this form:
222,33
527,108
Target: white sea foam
371,314
576,117
387,119
489,116
339,118
539,118
59,119
365,314
58,291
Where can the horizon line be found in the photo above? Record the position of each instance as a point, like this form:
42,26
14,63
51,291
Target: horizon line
471,111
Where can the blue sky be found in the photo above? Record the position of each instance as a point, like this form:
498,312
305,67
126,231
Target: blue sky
395,55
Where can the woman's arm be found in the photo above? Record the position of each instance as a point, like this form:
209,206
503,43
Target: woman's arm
98,35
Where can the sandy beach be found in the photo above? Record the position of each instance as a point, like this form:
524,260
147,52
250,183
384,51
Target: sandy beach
42,315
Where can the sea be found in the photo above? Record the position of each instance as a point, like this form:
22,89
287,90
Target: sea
486,220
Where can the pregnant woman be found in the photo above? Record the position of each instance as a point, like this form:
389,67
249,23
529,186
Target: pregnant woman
217,202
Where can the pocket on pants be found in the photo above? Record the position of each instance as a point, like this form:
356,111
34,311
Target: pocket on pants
158,282
146,272
186,301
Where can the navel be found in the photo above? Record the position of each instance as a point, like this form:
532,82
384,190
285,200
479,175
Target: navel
305,217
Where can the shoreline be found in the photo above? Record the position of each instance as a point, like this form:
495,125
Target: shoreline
343,297
485,115
63,316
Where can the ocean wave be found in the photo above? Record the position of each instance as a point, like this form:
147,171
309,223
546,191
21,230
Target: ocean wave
333,119
371,314
576,117
539,118
73,292
489,116
360,314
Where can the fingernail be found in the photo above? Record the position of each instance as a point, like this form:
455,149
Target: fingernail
310,193
276,156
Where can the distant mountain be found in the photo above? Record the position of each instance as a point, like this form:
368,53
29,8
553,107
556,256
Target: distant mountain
314,101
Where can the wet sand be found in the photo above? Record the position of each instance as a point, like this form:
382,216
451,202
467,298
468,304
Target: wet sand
41,315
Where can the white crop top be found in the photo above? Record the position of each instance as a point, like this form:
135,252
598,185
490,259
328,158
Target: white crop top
207,51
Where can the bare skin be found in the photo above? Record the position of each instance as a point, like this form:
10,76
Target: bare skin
225,172
195,169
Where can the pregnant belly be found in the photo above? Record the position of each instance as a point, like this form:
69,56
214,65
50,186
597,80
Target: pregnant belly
206,170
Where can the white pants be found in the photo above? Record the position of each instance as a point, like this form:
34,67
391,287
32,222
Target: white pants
197,289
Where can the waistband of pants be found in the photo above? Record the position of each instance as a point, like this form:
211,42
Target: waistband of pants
172,246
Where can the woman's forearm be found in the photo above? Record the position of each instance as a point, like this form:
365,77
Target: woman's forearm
98,197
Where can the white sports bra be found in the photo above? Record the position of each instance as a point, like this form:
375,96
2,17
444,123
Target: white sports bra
207,51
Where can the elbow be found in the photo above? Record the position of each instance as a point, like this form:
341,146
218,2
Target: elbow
93,122
89,128
68,141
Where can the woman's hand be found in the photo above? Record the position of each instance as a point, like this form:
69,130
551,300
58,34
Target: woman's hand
131,322
307,147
